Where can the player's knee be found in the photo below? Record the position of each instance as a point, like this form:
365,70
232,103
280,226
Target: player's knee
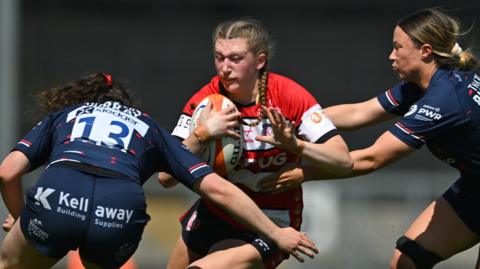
412,254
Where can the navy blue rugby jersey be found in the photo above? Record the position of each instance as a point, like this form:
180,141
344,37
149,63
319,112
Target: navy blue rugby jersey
446,117
114,137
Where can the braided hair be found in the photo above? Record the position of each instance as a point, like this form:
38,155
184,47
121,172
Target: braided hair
259,41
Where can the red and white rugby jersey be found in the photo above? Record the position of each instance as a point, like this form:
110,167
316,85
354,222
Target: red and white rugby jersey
261,159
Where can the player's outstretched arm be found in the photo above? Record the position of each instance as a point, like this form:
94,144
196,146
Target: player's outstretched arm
242,208
360,115
331,156
13,167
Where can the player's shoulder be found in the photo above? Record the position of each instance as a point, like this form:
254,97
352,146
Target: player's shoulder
280,84
278,79
287,93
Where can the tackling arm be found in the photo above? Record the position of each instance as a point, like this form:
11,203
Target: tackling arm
387,149
241,207
358,115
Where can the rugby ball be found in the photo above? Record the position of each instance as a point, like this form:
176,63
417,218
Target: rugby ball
223,153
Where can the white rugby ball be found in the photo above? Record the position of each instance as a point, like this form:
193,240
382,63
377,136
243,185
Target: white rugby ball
224,153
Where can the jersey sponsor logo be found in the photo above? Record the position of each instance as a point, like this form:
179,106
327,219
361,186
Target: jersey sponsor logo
314,124
268,161
72,206
109,217
35,229
428,113
116,106
411,110
316,117
473,89
41,197
120,214
80,204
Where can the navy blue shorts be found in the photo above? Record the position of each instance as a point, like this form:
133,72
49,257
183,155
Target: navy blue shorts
103,217
201,229
464,197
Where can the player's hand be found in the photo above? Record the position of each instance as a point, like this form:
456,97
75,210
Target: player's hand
288,177
295,243
166,180
8,223
283,132
217,124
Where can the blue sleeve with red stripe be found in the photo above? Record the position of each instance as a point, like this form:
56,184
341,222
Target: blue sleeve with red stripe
38,143
398,99
178,161
429,117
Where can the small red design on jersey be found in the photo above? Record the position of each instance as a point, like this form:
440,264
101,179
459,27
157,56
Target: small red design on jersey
316,117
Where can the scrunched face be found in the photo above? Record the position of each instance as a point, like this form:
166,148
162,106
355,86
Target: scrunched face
406,57
236,65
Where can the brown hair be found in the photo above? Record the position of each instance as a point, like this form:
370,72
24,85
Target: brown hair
258,40
433,26
97,87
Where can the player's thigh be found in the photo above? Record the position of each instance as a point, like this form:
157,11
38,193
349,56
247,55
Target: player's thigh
181,256
231,254
18,253
439,230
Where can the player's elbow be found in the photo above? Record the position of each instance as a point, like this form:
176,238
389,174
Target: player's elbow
5,177
368,165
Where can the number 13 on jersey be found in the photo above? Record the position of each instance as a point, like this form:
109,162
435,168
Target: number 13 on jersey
103,128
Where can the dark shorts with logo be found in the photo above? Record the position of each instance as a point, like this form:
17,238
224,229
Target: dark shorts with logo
201,230
464,197
103,217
